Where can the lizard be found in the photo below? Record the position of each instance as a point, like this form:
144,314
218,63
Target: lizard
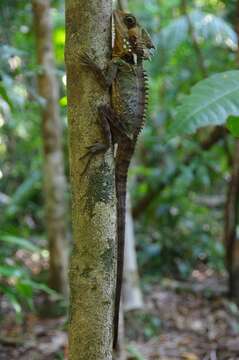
123,120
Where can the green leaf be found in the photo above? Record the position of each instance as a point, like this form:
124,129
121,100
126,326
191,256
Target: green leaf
42,287
11,271
5,97
25,292
23,193
211,102
63,101
24,289
135,353
16,305
206,27
233,125
174,34
20,242
11,295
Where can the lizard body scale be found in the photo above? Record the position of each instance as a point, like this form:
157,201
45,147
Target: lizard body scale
122,121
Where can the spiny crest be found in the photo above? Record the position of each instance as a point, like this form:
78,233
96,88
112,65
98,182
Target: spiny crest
146,90
143,101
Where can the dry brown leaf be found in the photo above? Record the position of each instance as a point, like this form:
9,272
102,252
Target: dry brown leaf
189,356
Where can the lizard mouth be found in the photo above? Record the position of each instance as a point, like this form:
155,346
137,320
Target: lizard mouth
142,54
140,50
131,50
136,57
148,53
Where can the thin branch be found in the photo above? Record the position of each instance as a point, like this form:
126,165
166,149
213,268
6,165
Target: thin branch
196,46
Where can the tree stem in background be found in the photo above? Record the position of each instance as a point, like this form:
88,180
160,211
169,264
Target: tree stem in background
231,214
132,295
122,5
231,217
54,177
196,46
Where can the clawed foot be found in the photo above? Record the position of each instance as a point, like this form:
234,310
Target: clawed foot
93,150
86,60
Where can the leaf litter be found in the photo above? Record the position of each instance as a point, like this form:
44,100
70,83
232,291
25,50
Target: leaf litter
190,320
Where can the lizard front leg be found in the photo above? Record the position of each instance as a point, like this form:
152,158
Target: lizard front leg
105,77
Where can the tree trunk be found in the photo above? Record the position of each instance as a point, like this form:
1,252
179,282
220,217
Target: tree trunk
120,353
231,216
132,294
196,46
93,261
54,177
122,5
231,213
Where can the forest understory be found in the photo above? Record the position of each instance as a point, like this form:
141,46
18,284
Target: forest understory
190,320
57,198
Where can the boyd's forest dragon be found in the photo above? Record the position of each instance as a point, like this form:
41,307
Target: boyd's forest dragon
122,121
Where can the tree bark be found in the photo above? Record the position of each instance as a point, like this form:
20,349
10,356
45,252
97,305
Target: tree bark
122,5
54,177
230,237
93,260
120,353
132,295
231,214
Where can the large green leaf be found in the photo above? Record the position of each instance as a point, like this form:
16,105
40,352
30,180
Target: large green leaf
211,102
206,27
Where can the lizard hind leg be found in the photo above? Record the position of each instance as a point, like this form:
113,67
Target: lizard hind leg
92,150
116,125
106,76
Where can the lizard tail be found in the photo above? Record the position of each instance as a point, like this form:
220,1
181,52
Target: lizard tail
122,164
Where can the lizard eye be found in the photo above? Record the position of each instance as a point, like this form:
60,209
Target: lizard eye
130,21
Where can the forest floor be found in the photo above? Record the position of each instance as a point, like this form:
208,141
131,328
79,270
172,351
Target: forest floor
196,321
180,321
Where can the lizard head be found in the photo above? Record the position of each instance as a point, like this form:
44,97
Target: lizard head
129,40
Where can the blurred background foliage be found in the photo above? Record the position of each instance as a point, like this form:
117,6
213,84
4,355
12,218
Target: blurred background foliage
181,224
